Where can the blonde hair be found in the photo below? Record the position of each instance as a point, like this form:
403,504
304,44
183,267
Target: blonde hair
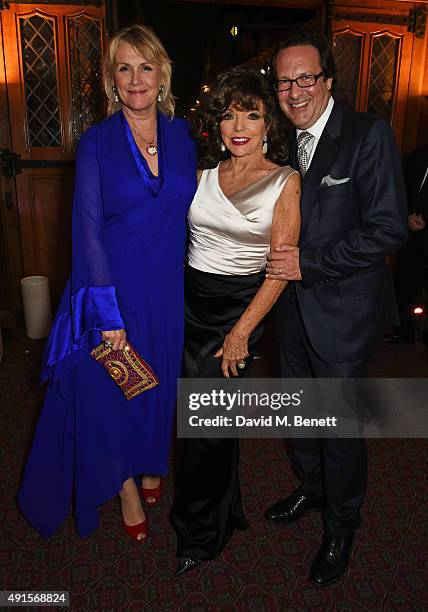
145,42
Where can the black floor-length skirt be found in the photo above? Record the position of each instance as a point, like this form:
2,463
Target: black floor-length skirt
208,506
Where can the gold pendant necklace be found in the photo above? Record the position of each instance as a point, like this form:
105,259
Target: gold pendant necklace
151,147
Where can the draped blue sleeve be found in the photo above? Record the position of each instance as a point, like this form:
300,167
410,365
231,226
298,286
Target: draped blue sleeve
88,305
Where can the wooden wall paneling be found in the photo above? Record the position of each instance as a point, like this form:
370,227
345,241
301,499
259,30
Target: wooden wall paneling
44,183
30,256
30,244
10,247
15,75
364,19
365,67
92,14
296,4
338,36
376,6
401,98
402,76
422,139
416,118
50,195
62,80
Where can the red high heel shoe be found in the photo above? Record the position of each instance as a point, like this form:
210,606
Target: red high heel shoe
152,496
135,530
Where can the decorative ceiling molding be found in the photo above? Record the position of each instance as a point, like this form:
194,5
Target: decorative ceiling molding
6,4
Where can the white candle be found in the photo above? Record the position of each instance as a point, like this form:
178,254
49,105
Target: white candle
37,306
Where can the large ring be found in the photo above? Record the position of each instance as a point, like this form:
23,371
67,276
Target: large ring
241,365
108,344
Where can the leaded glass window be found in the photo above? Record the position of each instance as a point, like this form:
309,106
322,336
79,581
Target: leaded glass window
40,78
347,54
85,54
383,72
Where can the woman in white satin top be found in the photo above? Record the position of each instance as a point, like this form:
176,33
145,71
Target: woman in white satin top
247,203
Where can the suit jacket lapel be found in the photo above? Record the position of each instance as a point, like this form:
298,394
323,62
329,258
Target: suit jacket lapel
293,156
326,150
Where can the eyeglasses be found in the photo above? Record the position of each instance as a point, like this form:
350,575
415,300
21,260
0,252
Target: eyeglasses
305,80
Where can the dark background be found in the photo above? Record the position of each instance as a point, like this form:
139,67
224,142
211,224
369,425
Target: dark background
199,41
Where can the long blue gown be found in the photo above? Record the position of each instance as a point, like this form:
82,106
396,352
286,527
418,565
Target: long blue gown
129,238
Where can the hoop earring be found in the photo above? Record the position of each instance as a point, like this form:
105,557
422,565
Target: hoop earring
160,94
115,95
265,145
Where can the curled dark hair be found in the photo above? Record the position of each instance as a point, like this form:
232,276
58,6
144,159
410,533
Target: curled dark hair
246,89
313,38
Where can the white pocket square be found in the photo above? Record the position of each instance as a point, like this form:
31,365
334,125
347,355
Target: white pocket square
328,181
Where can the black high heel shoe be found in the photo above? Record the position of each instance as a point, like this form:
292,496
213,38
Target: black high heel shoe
184,564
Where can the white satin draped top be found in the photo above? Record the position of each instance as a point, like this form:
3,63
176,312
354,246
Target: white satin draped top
231,235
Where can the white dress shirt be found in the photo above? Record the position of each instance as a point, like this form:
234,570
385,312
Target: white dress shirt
316,130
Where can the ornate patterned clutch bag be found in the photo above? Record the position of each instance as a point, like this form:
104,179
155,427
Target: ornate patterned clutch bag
127,368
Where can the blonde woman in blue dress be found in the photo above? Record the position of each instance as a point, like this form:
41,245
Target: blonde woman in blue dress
135,178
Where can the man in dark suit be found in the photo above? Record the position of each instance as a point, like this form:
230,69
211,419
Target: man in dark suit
354,213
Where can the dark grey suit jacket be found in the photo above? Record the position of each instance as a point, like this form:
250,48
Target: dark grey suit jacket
346,293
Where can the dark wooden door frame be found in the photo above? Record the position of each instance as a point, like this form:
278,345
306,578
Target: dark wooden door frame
10,250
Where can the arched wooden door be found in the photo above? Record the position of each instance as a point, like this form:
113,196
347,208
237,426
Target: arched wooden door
380,55
52,58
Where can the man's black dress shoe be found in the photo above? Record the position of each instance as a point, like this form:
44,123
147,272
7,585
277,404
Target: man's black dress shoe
184,564
292,508
331,560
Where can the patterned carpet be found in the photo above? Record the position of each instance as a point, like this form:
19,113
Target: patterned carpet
263,569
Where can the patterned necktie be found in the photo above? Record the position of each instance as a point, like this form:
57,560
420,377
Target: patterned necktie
302,154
